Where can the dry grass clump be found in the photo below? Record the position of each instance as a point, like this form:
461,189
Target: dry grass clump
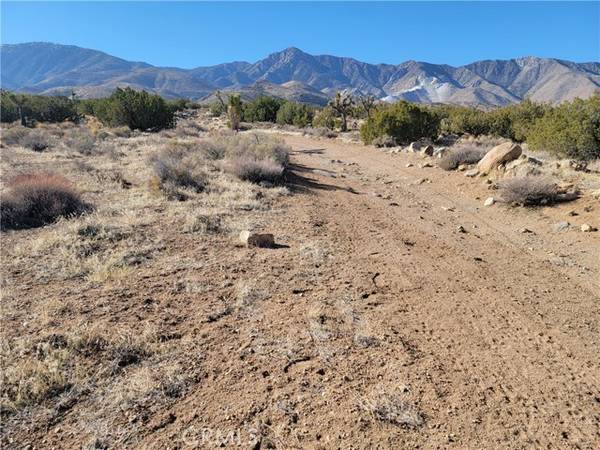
188,128
206,224
36,199
13,135
82,141
462,155
392,408
384,141
529,191
321,132
179,166
37,372
256,157
36,140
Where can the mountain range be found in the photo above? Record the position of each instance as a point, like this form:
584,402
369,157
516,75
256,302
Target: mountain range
46,68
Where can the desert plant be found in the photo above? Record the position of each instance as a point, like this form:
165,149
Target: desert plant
367,104
37,199
256,170
325,118
384,141
262,109
343,105
461,155
571,129
35,140
138,110
404,121
179,168
234,111
529,191
296,114
27,107
13,135
81,141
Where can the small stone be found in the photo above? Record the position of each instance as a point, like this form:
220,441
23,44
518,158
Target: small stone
448,208
586,228
462,167
572,213
461,229
561,226
409,165
264,240
425,165
525,230
472,173
489,201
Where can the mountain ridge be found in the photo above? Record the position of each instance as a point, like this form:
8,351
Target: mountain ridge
47,68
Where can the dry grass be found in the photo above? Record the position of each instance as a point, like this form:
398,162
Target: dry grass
392,408
36,199
462,155
36,140
529,191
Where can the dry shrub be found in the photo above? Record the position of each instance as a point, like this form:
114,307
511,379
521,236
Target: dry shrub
188,127
320,132
81,141
13,135
256,157
256,170
179,166
36,140
529,191
462,155
122,132
384,141
37,199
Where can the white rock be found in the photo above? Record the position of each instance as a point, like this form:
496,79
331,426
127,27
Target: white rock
489,201
427,150
561,226
586,228
472,173
409,165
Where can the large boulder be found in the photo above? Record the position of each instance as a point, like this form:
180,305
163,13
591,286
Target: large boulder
498,155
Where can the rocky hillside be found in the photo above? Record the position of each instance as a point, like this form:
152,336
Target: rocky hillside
293,74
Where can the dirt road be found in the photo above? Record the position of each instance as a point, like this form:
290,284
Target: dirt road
489,337
396,312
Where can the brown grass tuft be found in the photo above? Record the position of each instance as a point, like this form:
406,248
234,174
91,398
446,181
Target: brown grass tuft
37,199
529,191
462,155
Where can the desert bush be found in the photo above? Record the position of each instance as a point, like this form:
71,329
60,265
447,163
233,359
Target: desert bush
529,191
81,141
36,140
384,141
392,408
179,167
138,110
37,199
256,170
321,132
262,109
461,155
343,106
296,114
37,108
404,121
13,135
217,109
325,118
256,157
571,130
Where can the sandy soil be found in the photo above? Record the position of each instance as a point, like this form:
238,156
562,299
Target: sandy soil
376,323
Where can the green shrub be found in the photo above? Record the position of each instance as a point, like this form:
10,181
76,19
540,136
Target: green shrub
37,108
325,118
138,110
571,130
404,121
295,114
262,109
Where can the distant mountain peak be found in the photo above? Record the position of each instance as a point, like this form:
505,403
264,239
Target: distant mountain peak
48,68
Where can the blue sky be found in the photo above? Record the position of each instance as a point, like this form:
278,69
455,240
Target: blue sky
190,34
